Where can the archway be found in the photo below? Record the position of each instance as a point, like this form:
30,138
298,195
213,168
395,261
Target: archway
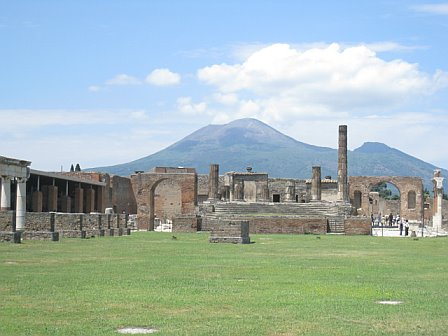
146,187
384,203
409,188
167,203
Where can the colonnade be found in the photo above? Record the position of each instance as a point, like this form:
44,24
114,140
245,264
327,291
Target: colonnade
18,171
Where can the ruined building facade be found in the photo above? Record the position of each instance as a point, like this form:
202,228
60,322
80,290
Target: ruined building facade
198,202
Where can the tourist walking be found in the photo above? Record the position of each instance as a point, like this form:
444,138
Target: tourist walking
400,223
391,217
406,227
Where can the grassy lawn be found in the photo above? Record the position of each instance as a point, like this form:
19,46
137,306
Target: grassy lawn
280,285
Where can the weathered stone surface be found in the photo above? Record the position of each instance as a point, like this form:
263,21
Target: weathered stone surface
181,184
186,223
230,231
408,187
357,226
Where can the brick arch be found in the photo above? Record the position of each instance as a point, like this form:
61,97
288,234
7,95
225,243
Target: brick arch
405,185
145,184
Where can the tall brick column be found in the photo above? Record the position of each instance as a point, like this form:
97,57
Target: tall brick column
316,185
213,182
342,165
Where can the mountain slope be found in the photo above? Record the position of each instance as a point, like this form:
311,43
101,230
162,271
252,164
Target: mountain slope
249,142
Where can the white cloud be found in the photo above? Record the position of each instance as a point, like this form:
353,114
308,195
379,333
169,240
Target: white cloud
330,79
163,77
186,106
225,99
438,9
123,79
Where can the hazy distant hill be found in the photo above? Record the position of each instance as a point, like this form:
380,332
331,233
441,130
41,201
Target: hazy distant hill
249,142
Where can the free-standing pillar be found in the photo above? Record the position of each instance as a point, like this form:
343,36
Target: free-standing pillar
342,165
213,182
316,185
20,203
438,198
6,193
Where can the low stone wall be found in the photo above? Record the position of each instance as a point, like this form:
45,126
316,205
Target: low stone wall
278,224
6,221
9,236
230,231
357,226
186,224
52,225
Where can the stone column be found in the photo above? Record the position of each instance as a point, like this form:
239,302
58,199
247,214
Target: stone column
342,165
66,201
213,182
290,192
90,200
6,193
20,203
316,185
79,200
438,198
52,201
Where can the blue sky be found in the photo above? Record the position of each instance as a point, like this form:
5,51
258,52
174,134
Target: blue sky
106,82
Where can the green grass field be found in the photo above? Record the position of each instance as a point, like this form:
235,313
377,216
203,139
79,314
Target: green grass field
279,285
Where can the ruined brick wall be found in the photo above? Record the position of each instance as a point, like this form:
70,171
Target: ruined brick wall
329,189
145,187
123,197
202,187
95,177
277,224
186,224
168,201
357,226
410,209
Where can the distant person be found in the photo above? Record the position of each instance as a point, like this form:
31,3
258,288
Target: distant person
400,223
372,219
379,218
406,227
391,217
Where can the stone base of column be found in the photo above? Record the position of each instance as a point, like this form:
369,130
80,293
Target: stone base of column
13,237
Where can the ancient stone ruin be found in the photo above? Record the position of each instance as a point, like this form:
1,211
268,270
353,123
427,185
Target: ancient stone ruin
45,205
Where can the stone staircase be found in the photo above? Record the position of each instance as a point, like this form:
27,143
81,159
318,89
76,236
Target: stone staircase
334,212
